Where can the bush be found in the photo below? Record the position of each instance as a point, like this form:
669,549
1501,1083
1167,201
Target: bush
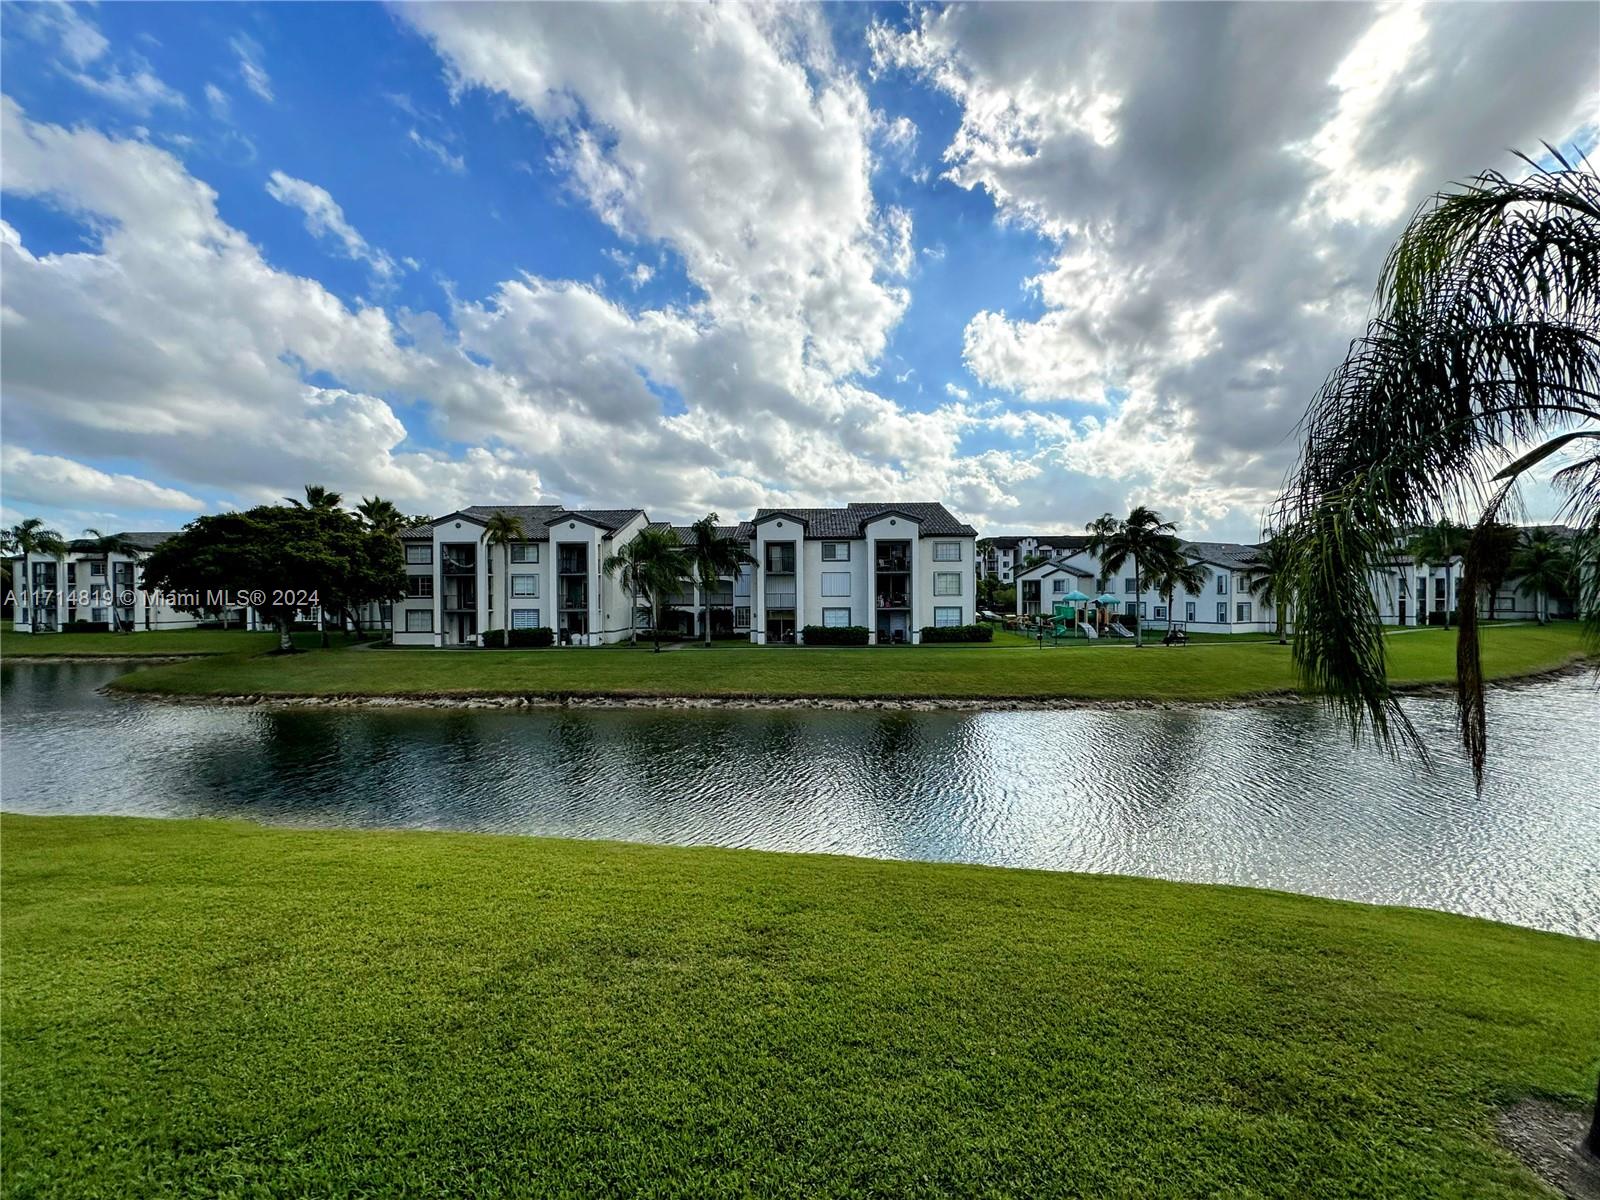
87,627
835,635
957,633
519,639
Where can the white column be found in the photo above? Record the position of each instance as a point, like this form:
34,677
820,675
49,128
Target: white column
758,596
799,586
872,591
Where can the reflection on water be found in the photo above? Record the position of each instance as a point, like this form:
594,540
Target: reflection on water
1273,797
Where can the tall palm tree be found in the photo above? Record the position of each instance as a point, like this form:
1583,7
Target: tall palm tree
381,515
1486,335
1542,567
105,545
32,536
1440,544
318,498
1270,581
1100,530
1497,547
653,565
501,530
712,556
1145,538
1171,569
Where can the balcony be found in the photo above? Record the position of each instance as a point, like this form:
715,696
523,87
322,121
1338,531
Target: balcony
892,600
572,561
893,564
457,564
572,596
779,599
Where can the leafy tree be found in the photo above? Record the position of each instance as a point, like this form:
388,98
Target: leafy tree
501,530
1543,567
1486,335
279,553
711,556
1271,581
1440,544
652,565
1143,537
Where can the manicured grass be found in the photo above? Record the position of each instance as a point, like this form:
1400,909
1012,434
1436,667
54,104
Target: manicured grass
171,641
202,1009
1092,671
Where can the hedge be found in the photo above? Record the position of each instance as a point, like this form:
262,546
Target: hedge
956,633
499,639
835,635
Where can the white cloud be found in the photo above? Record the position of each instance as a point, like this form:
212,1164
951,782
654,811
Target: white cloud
217,99
448,160
84,55
324,218
250,69
46,479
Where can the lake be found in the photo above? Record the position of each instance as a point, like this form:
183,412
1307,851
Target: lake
1269,797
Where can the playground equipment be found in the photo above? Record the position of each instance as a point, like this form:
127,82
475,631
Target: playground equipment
1117,628
1088,631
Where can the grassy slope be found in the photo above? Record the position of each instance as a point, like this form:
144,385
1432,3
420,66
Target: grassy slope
171,641
1098,671
197,1008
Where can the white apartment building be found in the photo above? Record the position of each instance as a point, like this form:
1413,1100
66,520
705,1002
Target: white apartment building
1002,556
85,586
893,568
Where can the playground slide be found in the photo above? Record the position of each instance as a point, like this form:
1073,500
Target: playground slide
1120,631
1088,630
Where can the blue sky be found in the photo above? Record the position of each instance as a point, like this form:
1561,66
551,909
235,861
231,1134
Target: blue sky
1035,262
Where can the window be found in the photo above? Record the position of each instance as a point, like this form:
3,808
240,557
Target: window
419,587
1141,610
524,585
836,583
1222,585
944,618
1130,585
835,618
419,620
1241,583
1222,612
1058,586
780,558
741,616
419,555
97,570
1188,610
947,552
835,552
524,618
1161,612
947,583
524,552
1244,610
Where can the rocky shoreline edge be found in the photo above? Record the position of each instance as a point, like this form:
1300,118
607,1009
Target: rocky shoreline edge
535,700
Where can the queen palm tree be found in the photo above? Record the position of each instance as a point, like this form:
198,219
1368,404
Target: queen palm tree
501,530
32,536
381,515
1542,567
1170,569
1497,548
1270,582
1441,544
318,498
652,565
1145,538
105,545
1100,529
1486,335
711,556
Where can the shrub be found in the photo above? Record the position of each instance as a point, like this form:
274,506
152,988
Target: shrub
835,635
519,639
87,627
957,633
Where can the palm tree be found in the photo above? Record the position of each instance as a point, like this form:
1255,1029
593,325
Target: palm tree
1441,543
1171,569
1100,530
501,530
1497,547
105,545
318,498
382,515
1542,568
1270,581
712,556
31,536
651,564
1486,335
1145,538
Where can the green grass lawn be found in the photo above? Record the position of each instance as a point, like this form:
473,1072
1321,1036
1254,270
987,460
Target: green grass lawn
169,641
220,1009
1090,671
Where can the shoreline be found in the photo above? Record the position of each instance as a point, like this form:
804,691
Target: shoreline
39,660
562,700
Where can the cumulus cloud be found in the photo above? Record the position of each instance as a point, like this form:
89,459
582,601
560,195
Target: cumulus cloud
1219,186
48,479
325,219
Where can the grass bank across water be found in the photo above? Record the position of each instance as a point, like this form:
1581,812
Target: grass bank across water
200,1008
1100,671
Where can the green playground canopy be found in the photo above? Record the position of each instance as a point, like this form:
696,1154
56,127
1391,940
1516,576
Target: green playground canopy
1076,597
1108,598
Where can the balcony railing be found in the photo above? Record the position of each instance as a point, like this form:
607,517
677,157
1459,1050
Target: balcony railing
569,563
780,599
893,600
457,564
893,563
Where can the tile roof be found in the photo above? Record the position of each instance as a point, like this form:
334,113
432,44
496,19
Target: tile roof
536,518
935,520
139,540
1237,555
1059,541
685,533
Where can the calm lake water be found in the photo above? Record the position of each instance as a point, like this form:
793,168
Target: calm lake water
1271,797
